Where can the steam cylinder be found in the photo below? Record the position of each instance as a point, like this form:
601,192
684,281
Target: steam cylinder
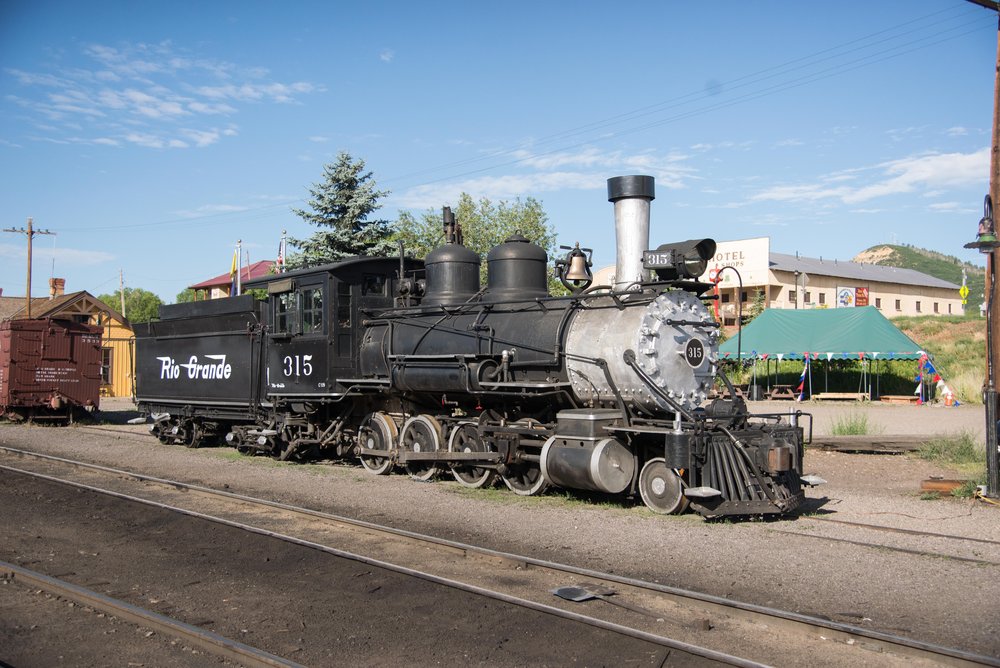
600,466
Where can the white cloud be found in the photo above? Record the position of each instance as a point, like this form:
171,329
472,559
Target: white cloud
932,171
210,210
536,174
957,131
386,55
63,256
137,93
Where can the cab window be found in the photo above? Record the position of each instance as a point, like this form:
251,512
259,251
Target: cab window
312,310
284,305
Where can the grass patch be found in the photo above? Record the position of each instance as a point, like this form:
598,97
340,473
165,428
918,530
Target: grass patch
553,498
963,453
854,424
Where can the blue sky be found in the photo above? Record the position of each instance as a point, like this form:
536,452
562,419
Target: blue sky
150,136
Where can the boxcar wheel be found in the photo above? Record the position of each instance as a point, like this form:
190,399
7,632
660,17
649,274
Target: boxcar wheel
421,433
662,490
378,432
465,438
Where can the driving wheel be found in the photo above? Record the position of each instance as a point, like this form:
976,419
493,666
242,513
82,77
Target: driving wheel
378,432
421,433
465,438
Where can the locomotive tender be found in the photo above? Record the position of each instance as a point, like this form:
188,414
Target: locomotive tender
397,361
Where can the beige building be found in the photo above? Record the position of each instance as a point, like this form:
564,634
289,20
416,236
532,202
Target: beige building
794,281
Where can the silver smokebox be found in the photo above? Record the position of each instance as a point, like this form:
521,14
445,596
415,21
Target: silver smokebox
631,196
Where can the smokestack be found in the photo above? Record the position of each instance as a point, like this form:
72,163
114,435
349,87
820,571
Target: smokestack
631,196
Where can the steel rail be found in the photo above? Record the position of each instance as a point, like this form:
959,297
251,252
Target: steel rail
911,532
800,623
891,548
210,642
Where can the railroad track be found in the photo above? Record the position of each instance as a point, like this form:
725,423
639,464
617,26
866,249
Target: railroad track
714,628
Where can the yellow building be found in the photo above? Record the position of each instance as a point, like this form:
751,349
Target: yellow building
117,341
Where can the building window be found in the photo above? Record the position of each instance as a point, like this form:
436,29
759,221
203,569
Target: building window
899,305
878,302
743,296
936,307
822,298
107,359
918,307
725,297
806,297
949,309
792,297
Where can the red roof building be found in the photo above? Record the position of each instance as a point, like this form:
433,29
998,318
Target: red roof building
221,285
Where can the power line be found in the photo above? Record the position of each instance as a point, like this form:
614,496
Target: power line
842,50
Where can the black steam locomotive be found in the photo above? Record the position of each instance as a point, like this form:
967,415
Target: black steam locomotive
397,361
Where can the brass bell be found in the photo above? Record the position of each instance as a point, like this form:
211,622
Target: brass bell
573,270
578,269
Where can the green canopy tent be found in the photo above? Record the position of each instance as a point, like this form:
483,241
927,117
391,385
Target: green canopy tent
861,333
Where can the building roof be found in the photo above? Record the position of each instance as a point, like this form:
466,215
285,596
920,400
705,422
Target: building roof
855,271
258,269
73,303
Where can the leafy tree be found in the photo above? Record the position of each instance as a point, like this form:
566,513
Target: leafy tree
340,207
485,224
140,305
186,295
756,307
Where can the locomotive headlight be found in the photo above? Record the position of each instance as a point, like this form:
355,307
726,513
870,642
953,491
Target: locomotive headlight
684,260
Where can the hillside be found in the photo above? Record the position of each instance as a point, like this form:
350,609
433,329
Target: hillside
932,263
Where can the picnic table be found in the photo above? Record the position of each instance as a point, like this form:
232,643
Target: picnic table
781,392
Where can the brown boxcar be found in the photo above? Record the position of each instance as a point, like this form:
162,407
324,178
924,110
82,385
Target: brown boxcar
49,368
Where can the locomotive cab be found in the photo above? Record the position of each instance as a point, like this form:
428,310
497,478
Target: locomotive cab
313,324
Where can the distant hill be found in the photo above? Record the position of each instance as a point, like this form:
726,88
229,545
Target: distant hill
932,263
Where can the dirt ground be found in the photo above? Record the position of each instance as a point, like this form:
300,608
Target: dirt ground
888,419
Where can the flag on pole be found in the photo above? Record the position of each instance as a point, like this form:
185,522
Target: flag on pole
802,380
234,273
282,253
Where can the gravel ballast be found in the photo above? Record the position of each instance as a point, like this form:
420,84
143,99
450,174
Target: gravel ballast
799,565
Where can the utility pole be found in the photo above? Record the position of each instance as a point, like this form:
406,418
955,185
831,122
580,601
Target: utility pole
121,290
992,285
30,233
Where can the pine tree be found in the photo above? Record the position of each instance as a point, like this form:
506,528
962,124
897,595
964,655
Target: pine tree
340,205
